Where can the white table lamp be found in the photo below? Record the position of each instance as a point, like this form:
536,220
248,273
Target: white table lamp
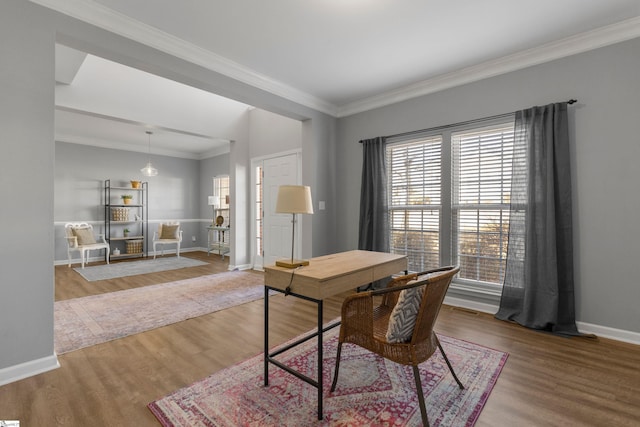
293,199
214,202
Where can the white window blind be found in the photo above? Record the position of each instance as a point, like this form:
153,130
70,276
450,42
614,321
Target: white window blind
481,183
414,171
449,198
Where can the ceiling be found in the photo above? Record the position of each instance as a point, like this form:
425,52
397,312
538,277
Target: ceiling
106,104
337,56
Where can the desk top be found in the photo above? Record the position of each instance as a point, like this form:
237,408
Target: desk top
329,275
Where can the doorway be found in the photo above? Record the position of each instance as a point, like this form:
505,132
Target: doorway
271,232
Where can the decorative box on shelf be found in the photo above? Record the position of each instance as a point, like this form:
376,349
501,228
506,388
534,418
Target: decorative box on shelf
134,246
119,214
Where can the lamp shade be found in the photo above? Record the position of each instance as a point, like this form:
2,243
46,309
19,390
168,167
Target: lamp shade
149,170
294,199
214,200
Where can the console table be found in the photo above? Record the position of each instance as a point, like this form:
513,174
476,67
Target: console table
217,244
324,277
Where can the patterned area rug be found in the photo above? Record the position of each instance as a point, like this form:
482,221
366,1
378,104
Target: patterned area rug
371,391
86,321
133,268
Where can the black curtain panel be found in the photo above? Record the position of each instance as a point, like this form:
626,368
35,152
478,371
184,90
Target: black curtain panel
538,291
374,209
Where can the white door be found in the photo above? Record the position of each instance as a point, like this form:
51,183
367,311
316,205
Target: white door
277,228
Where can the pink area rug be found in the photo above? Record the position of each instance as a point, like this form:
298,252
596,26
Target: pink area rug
86,321
371,391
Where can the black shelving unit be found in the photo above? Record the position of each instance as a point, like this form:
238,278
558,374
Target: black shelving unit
134,216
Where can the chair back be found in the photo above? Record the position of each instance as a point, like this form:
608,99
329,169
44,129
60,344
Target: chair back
173,235
68,231
436,286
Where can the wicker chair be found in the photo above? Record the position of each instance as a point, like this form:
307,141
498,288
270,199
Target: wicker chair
368,326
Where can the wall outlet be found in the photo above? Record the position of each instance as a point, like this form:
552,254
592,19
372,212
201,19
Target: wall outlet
193,238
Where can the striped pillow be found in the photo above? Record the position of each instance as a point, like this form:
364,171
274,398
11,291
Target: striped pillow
404,314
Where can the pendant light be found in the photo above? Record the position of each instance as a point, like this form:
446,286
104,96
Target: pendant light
149,170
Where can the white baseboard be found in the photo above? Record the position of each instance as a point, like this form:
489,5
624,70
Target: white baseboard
611,333
240,267
28,369
149,254
587,328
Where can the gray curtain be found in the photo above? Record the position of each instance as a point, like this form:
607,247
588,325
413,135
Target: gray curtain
374,214
538,289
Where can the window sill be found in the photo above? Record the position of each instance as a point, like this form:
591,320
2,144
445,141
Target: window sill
475,297
489,291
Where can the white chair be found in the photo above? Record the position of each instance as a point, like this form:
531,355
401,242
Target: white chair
169,233
80,238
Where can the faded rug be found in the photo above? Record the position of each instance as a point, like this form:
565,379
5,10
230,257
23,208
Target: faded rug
133,268
371,391
86,321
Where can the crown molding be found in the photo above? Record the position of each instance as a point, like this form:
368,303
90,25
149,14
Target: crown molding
222,144
215,152
600,37
147,126
118,23
124,146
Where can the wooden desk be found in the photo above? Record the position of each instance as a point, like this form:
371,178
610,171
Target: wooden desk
324,277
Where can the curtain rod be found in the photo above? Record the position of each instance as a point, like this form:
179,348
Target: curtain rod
498,116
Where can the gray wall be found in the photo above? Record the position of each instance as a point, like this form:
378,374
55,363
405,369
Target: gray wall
26,179
271,133
319,144
604,128
29,33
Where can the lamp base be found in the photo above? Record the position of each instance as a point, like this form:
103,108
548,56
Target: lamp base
288,263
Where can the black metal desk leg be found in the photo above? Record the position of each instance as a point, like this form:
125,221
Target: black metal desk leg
266,336
320,360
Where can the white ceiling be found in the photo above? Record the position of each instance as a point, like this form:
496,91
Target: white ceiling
105,104
338,56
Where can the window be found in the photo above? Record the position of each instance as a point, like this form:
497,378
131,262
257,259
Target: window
259,212
221,189
449,199
414,175
481,167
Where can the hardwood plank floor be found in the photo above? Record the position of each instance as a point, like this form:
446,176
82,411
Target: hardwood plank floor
547,380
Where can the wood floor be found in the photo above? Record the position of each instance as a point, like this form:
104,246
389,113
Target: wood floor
547,380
